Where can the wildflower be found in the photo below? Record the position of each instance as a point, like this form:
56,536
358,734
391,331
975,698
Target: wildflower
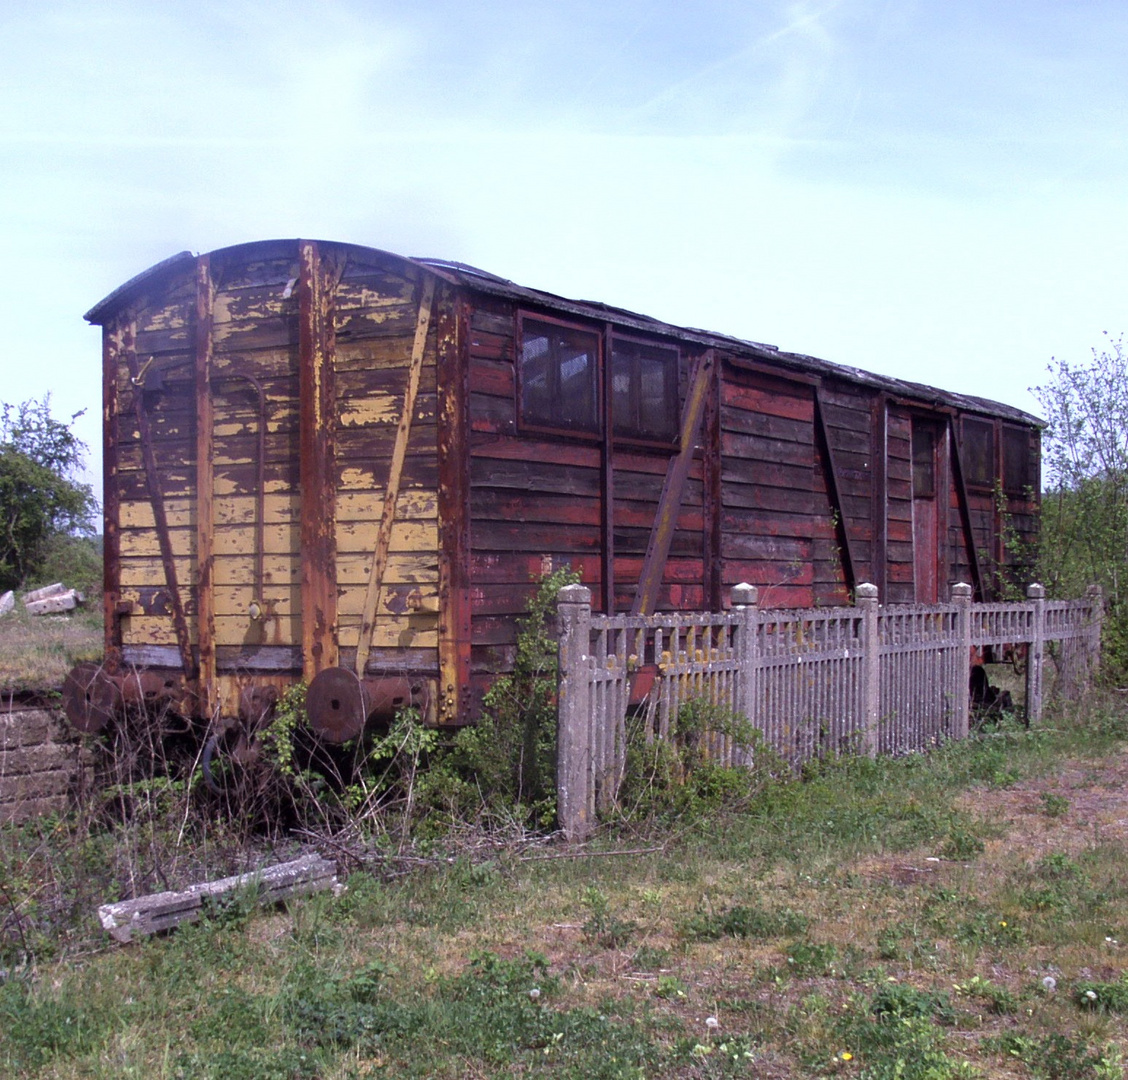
534,993
1091,995
1049,983
712,1023
700,1050
845,1055
1003,924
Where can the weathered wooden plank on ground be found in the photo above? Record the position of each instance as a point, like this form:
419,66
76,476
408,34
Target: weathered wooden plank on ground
161,911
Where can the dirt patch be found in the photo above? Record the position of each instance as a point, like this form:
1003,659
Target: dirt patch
1080,804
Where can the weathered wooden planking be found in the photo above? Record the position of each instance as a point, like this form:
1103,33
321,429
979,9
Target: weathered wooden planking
128,919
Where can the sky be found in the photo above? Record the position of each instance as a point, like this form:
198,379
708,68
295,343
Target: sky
934,190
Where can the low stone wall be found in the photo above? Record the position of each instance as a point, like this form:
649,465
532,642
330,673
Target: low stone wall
42,761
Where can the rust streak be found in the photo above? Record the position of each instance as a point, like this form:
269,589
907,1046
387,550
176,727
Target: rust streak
395,472
205,483
316,436
454,532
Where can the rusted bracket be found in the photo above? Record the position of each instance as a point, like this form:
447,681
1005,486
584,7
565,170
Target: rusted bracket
156,498
662,534
965,510
391,491
849,564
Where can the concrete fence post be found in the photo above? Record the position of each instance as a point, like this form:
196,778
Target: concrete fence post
1095,596
745,599
865,598
575,787
961,597
1035,653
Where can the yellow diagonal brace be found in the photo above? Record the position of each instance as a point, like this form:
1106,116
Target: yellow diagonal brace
391,492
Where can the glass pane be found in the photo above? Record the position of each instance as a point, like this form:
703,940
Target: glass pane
559,376
977,452
1017,474
644,391
924,461
536,388
657,396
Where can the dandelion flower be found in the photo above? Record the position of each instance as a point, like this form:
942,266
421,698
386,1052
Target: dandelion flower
1049,983
1091,995
712,1023
534,993
845,1055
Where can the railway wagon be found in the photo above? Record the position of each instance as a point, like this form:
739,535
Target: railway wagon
329,463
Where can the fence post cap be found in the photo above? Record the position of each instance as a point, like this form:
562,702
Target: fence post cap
1094,591
865,591
1034,591
574,594
961,591
745,595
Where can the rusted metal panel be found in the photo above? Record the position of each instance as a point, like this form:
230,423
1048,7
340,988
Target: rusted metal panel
111,496
317,436
454,510
677,473
205,495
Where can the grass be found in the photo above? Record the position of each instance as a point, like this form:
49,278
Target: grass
921,919
36,652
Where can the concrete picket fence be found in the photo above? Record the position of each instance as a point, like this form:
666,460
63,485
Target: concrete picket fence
862,679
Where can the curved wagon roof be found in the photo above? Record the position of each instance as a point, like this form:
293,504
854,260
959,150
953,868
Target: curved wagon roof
479,281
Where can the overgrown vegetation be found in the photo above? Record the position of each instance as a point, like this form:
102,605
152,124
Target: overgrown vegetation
873,919
1084,530
43,505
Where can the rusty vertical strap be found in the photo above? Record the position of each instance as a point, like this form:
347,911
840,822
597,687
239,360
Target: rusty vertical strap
316,434
454,508
395,472
205,484
712,564
880,493
111,495
156,500
607,481
669,506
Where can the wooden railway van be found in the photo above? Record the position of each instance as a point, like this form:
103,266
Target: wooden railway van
329,463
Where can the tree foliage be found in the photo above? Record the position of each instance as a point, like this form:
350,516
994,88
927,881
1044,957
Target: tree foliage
1084,537
41,497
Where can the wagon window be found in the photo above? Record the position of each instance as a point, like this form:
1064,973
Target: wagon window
1017,474
644,390
924,461
559,376
977,452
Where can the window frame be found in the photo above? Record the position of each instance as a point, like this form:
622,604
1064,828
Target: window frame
1030,479
975,483
536,424
673,384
